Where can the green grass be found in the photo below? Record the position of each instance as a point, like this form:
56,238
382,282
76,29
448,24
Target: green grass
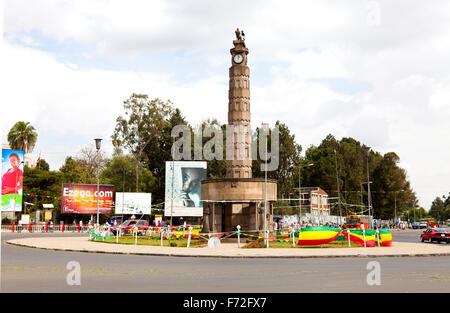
149,241
288,244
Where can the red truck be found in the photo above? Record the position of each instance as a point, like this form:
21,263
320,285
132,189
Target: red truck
435,234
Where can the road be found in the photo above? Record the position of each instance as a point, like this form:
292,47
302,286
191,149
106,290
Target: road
35,270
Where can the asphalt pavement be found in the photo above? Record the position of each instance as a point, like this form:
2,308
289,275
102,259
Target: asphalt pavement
36,270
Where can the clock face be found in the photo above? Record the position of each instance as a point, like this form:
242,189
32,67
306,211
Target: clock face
238,58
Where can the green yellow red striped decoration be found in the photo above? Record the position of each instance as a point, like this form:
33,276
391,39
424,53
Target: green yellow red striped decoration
385,237
357,236
310,236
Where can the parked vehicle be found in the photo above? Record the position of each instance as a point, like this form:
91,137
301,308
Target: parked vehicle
128,227
435,235
117,219
355,221
428,222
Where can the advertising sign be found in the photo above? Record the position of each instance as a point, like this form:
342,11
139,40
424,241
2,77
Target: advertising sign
133,203
184,188
12,180
82,199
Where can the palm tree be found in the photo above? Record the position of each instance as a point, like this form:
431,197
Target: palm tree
22,136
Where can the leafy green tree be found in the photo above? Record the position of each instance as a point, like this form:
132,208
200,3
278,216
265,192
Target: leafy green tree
389,184
145,130
119,171
289,160
43,165
22,136
391,188
74,172
438,209
42,187
414,214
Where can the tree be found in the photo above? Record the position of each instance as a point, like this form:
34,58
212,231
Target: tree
43,165
74,172
118,171
142,128
389,187
22,136
438,209
42,186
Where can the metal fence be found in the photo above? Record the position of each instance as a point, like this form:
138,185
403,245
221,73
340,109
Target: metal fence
45,228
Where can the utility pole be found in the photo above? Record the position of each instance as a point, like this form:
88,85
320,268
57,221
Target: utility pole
369,198
300,189
98,143
338,187
265,127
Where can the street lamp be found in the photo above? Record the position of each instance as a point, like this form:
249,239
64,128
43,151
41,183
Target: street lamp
300,190
98,143
395,204
338,187
364,183
369,198
265,127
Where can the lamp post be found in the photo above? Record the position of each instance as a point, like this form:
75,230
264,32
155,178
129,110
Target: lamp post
395,204
300,191
265,126
369,198
338,187
364,183
98,143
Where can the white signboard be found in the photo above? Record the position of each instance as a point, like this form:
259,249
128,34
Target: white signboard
184,188
133,203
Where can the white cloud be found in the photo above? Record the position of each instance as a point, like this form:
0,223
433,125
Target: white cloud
307,46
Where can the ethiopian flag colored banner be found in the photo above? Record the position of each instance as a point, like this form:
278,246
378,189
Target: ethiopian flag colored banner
385,237
317,235
180,233
357,236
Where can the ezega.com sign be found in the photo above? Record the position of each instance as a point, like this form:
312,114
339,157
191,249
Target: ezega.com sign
82,198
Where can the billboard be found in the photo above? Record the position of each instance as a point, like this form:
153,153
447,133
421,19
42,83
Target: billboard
184,178
133,203
82,198
12,180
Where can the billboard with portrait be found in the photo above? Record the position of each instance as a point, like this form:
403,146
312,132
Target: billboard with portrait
133,203
82,199
12,180
183,190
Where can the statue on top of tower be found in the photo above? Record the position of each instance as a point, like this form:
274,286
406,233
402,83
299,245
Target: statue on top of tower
240,35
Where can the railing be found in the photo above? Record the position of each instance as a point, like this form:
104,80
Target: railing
76,228
45,228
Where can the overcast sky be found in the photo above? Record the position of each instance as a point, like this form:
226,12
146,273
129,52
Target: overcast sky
377,71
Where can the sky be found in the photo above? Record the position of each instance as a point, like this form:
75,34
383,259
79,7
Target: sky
377,71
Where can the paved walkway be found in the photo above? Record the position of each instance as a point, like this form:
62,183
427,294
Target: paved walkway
230,250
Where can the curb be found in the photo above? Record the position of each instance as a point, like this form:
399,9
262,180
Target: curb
236,256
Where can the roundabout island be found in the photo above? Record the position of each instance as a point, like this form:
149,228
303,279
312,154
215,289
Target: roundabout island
231,249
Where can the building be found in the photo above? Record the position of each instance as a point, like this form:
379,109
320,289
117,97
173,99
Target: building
315,201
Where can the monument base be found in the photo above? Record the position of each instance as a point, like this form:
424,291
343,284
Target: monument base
237,201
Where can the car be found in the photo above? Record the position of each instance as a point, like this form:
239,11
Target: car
128,227
415,225
423,225
117,219
435,235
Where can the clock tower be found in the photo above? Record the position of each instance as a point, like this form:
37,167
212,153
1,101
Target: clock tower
240,165
239,198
